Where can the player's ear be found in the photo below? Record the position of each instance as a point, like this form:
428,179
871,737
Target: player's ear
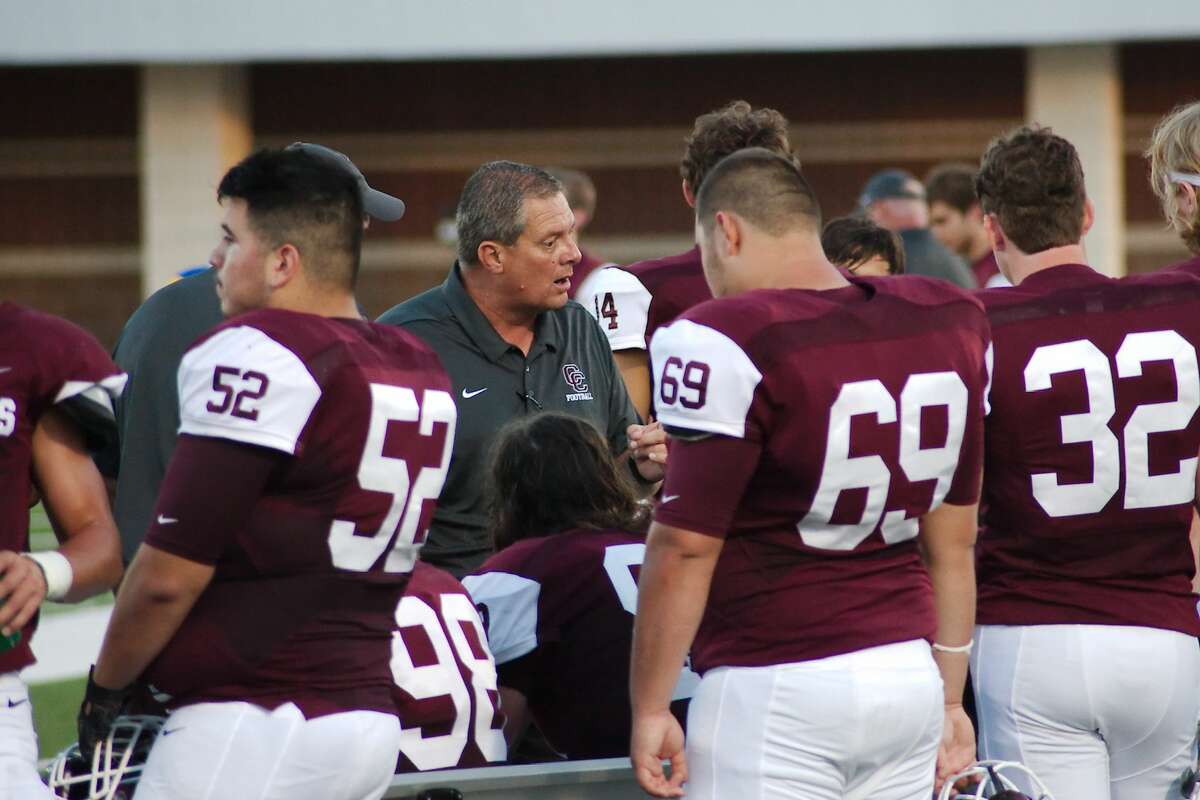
491,256
1089,216
975,214
995,233
689,196
730,239
283,265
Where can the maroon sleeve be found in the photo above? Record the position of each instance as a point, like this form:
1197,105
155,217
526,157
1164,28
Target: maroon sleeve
208,494
965,487
706,479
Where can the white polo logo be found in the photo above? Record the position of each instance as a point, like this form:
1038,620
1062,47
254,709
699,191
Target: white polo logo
575,378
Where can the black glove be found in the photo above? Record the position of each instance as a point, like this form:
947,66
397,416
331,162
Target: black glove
100,709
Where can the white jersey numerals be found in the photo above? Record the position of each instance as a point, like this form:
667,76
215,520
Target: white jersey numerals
8,416
1142,490
619,561
842,471
444,678
381,473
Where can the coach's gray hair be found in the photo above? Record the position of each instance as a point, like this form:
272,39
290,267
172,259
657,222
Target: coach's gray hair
491,206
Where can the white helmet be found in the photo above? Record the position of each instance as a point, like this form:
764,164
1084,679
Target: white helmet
114,769
995,781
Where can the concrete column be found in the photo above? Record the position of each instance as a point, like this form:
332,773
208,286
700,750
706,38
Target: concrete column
194,124
1077,91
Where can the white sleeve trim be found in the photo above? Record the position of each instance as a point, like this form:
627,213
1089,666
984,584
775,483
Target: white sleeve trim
102,393
281,411
631,299
731,381
512,612
989,362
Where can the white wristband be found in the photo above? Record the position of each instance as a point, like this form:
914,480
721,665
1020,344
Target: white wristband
57,570
964,648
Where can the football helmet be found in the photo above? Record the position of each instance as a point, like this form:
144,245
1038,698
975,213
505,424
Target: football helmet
995,783
113,771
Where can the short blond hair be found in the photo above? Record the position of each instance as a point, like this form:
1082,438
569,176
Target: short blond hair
1175,147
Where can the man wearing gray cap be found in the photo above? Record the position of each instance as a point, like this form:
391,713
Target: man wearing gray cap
149,350
895,200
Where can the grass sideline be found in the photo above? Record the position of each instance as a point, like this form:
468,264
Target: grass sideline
56,704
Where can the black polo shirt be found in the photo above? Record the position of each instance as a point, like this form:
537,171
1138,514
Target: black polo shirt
569,368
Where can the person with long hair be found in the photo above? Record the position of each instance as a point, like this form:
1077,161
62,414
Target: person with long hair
559,595
1174,155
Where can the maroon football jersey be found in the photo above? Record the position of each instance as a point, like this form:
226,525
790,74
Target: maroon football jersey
445,676
1091,450
588,264
559,613
45,362
985,269
823,425
301,606
1191,266
633,302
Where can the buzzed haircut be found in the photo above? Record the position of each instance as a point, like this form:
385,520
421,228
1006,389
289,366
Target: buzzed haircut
762,187
491,208
850,241
578,188
1032,180
295,198
952,184
728,129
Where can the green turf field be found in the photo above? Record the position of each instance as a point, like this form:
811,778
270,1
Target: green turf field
56,704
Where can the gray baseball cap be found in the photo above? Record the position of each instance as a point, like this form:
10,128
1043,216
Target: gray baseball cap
891,183
378,204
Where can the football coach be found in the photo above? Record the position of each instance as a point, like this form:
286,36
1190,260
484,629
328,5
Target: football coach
514,345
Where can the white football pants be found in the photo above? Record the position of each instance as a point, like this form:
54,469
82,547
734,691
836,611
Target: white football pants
1098,712
860,725
240,751
18,743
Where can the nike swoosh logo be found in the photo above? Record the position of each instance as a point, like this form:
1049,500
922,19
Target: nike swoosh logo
166,732
166,520
12,704
5,369
668,498
468,395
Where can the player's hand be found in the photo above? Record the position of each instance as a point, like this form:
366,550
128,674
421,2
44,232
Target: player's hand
23,587
648,449
100,709
656,737
957,749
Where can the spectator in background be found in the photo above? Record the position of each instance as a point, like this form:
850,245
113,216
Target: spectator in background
560,593
957,220
514,345
632,302
581,197
862,248
895,200
1174,155
150,349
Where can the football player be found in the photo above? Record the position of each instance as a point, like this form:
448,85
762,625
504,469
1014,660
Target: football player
441,651
57,388
631,303
829,435
1085,664
312,447
1174,155
561,592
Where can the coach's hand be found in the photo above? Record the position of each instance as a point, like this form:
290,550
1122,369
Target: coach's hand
656,737
99,711
22,587
648,449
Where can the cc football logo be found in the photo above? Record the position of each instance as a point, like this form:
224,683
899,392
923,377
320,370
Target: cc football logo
575,378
